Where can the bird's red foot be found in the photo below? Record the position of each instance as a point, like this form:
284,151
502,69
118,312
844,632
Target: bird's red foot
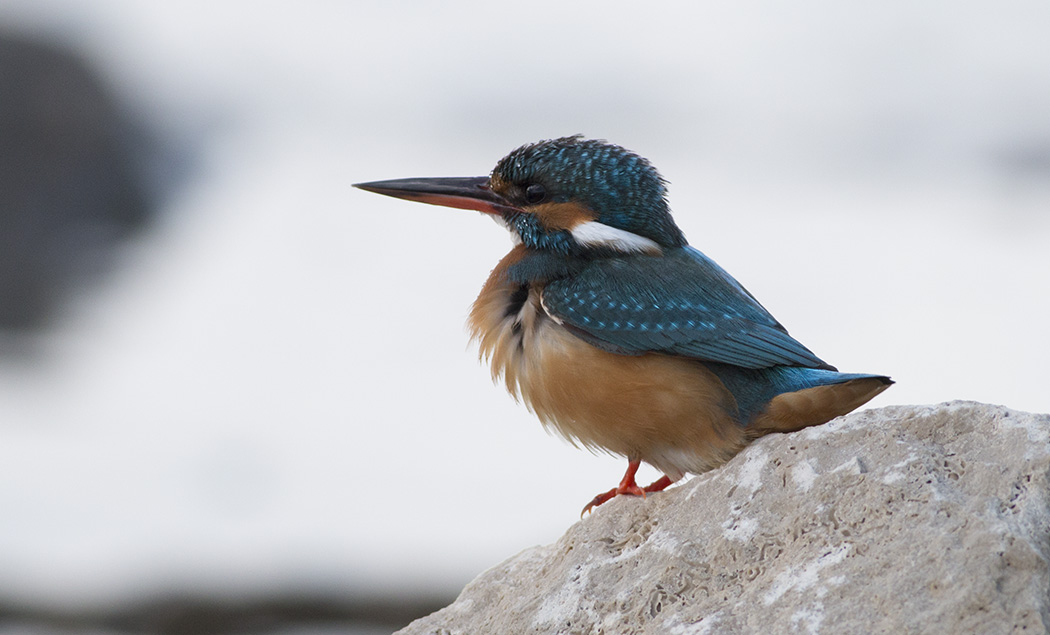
629,487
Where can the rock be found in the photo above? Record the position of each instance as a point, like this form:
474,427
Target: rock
72,187
909,519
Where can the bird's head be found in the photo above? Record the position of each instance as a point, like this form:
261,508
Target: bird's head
571,196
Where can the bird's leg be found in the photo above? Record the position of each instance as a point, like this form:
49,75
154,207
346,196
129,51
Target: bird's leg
658,485
629,487
626,486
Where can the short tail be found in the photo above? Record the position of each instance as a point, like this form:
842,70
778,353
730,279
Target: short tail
788,398
818,397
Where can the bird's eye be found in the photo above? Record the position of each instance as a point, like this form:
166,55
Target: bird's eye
535,193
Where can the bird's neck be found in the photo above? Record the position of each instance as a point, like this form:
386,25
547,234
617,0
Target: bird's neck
540,266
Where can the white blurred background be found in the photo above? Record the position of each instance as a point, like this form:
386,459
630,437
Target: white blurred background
270,392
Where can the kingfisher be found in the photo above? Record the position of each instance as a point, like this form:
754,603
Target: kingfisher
614,331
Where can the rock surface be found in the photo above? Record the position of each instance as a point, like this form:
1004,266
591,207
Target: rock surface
910,519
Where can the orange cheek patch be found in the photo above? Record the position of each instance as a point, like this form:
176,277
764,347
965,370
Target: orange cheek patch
555,216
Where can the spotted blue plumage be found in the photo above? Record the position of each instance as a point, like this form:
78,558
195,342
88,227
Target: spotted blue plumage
679,303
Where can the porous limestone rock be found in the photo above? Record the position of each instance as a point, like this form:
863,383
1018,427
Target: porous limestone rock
910,519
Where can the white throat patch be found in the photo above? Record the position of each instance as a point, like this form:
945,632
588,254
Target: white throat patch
595,234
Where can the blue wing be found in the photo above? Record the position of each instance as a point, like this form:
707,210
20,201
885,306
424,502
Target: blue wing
680,303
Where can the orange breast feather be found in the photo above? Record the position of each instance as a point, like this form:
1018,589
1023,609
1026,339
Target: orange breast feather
667,411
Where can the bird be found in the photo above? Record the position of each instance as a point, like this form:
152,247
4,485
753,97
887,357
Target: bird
614,331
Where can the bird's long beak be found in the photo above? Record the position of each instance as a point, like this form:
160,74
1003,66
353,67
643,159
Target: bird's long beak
470,192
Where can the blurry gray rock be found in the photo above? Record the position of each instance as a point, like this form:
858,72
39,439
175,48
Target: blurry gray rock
911,519
72,177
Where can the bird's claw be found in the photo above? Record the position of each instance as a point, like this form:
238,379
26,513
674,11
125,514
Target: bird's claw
629,487
613,493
